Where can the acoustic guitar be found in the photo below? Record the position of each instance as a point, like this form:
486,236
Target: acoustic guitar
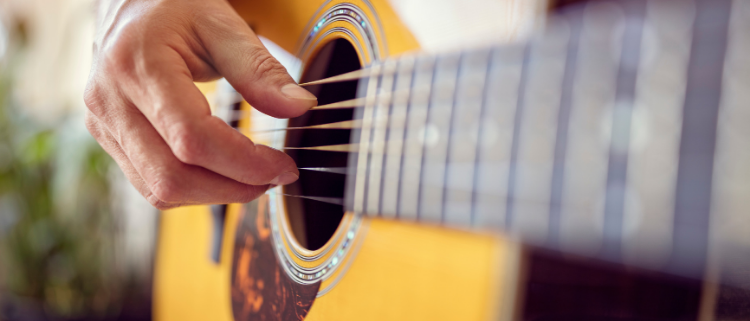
461,166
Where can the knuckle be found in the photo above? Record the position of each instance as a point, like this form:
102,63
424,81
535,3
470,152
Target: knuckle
90,122
92,126
265,65
102,135
186,143
165,191
214,20
119,57
92,97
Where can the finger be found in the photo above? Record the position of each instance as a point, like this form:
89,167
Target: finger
110,145
180,113
238,54
168,180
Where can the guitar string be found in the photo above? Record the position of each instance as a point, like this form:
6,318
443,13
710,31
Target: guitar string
345,104
368,72
347,124
349,148
352,148
352,75
401,97
330,200
335,170
338,201
392,97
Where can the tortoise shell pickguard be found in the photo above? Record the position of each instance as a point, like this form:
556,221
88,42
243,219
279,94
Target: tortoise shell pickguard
261,290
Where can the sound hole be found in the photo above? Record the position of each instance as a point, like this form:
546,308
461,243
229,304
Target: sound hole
313,222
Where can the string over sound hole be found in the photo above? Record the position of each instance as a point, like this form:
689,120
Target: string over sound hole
313,222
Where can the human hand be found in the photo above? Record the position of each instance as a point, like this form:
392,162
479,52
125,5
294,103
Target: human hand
146,112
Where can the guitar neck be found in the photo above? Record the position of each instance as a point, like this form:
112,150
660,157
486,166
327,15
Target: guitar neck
617,134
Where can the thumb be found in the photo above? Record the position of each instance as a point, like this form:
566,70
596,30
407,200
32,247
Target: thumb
240,57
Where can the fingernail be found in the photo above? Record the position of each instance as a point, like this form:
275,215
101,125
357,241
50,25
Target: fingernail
296,92
284,178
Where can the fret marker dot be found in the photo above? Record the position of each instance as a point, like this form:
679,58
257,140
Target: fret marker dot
430,135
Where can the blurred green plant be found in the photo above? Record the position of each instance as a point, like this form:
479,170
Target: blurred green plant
56,228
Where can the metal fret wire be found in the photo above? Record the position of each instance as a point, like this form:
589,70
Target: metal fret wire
389,186
449,138
478,149
439,110
561,136
378,140
363,155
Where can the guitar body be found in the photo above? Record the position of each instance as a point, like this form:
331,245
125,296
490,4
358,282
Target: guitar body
303,252
392,270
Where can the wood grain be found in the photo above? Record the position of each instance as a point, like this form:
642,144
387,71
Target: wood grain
261,290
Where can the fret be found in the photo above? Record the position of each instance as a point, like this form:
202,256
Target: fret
415,132
496,136
588,135
730,218
572,61
516,138
537,134
653,158
396,138
362,158
697,142
620,133
464,138
436,134
378,143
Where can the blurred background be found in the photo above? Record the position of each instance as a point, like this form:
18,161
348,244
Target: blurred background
69,249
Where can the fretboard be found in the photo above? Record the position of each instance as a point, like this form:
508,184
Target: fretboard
621,132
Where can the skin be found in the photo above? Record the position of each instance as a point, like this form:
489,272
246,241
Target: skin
146,112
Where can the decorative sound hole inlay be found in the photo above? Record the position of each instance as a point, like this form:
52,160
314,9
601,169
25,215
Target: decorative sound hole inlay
358,29
305,275
331,260
347,13
335,13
